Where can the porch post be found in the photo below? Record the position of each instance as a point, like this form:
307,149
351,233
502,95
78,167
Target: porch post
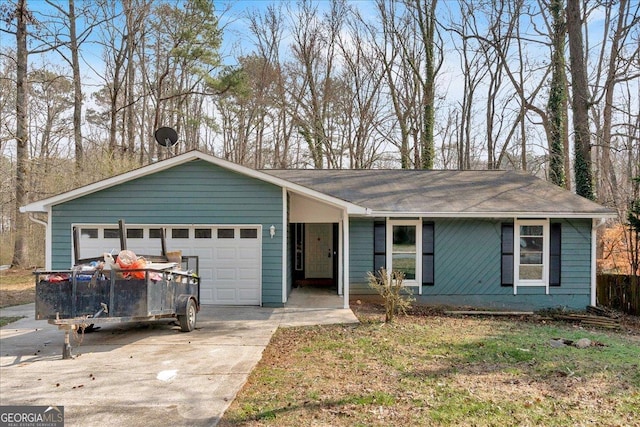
48,241
593,261
285,238
345,257
516,259
340,256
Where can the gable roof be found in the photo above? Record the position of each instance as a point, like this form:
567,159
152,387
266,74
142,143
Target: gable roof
446,193
394,192
44,204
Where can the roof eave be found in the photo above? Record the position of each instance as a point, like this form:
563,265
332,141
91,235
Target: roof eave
523,214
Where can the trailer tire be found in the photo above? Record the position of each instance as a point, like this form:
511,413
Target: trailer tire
188,320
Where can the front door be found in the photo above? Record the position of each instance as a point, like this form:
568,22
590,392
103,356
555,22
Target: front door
318,251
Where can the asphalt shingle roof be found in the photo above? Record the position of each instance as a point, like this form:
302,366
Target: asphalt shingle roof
444,192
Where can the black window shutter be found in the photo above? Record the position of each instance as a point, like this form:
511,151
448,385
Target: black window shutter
507,255
379,245
427,253
555,246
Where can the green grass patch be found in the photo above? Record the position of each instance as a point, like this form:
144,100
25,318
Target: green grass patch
6,320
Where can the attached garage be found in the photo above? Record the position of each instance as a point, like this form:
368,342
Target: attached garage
229,256
234,219
210,208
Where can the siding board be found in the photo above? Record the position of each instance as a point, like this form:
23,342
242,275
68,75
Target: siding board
360,253
467,257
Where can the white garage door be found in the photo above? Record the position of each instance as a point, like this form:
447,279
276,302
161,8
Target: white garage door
229,256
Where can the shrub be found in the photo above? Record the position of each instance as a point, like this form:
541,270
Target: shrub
397,299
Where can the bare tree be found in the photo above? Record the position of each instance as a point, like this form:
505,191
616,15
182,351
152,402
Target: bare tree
424,14
51,98
68,39
311,74
7,98
363,105
474,67
411,53
267,29
616,64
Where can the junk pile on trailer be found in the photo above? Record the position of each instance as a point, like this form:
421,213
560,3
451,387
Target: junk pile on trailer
112,289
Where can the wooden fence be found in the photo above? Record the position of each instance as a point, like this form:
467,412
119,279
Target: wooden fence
616,291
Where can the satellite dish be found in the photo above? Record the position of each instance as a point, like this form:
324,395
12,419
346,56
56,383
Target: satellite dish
166,136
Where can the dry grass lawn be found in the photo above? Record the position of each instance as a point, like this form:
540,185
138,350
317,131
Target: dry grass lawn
17,287
430,369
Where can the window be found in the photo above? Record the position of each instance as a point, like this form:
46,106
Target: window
531,253
298,233
180,233
226,233
111,233
248,233
379,245
506,271
555,252
202,233
404,249
135,233
428,248
89,233
155,233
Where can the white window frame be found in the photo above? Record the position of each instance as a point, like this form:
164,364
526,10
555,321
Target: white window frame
545,255
417,223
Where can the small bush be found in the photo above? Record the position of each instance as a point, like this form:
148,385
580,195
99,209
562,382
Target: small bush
397,299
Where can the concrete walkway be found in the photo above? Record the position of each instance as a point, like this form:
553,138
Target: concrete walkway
149,373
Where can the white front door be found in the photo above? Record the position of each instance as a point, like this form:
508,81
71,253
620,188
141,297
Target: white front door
319,251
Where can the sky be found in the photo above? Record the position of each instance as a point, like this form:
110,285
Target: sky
237,40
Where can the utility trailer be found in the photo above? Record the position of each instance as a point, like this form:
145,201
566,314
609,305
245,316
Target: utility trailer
91,294
77,300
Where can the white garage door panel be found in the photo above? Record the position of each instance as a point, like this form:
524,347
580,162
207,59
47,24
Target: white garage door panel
206,293
229,268
225,274
248,253
250,274
225,296
226,254
248,295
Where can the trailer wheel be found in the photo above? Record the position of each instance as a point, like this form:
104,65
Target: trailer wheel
188,320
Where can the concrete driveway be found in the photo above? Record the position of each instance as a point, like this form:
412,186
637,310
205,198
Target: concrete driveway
144,374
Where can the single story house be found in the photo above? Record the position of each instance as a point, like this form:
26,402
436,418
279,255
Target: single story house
475,238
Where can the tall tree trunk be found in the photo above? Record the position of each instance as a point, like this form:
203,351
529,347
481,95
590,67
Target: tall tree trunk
427,23
77,87
557,96
20,249
580,102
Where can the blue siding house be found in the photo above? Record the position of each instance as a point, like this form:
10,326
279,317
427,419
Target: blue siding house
466,238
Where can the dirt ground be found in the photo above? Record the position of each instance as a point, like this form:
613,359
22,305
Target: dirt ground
17,286
372,305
